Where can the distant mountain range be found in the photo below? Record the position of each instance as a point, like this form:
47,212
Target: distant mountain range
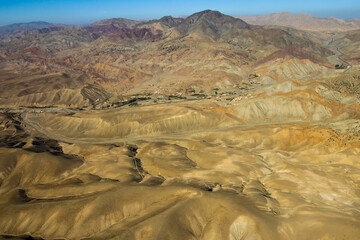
23,26
303,21
112,58
300,21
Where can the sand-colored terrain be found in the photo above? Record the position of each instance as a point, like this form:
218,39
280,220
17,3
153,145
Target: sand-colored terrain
281,163
304,21
198,128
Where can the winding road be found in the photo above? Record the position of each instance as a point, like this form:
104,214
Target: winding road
340,55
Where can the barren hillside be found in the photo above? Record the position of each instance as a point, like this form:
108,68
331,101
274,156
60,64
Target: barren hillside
200,128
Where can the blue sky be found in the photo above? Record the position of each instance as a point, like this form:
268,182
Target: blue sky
88,11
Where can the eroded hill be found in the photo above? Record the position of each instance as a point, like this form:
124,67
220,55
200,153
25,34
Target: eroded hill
198,128
205,51
270,164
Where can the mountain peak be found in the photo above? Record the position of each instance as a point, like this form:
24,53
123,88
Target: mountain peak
211,23
207,14
170,21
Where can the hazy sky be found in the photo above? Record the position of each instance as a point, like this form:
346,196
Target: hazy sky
88,11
